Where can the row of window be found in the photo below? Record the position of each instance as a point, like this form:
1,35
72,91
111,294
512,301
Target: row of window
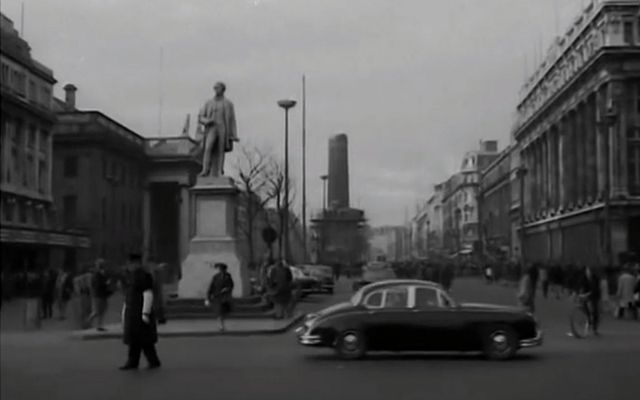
25,212
130,214
26,85
25,154
112,171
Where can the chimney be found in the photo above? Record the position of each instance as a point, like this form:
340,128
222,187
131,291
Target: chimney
70,96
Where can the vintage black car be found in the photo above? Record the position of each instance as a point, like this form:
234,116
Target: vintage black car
413,315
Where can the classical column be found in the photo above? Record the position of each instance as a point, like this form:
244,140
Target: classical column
146,222
619,136
547,171
601,142
573,158
183,222
563,164
580,146
536,178
555,167
590,164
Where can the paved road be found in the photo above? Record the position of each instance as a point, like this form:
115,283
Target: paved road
273,367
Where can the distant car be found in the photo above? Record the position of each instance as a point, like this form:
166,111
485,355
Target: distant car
303,282
413,315
323,273
374,272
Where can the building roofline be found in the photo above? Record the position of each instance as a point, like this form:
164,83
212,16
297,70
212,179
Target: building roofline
101,114
501,156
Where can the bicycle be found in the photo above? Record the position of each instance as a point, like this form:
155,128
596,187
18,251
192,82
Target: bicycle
581,318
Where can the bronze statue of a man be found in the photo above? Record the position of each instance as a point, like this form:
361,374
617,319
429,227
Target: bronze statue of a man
216,131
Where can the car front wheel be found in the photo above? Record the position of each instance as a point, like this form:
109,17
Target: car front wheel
499,342
351,345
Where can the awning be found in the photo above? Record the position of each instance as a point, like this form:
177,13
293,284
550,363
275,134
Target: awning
47,238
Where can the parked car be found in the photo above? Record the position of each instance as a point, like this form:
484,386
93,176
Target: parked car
323,273
374,272
304,283
413,315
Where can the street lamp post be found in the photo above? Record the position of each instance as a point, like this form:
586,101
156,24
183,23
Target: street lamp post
286,105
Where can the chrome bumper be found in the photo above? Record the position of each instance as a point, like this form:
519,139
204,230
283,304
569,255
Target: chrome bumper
533,342
307,340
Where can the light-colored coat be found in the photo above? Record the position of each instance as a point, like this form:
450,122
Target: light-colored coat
626,285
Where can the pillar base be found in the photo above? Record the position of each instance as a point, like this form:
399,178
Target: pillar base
213,221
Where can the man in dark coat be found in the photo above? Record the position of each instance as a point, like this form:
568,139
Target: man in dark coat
220,293
588,286
281,285
139,324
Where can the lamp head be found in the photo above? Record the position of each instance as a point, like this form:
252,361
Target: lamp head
286,104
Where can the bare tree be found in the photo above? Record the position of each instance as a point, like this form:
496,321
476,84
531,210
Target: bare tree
277,191
252,169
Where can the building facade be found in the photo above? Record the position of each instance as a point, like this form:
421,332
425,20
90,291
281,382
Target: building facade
459,200
494,203
578,135
129,193
30,236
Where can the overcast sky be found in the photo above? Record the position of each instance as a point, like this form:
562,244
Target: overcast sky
414,83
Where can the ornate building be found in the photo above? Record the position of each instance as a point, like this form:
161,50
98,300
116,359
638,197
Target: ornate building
578,135
30,236
494,204
459,200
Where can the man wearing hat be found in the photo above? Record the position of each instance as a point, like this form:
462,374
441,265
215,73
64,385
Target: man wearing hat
138,317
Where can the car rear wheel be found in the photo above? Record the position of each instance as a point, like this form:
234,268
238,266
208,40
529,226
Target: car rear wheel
499,342
351,345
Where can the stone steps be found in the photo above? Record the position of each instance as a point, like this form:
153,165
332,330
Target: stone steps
245,308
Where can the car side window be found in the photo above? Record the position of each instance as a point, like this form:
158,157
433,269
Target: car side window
374,300
426,298
396,298
445,301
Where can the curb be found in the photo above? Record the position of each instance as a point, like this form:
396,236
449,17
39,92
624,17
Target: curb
258,332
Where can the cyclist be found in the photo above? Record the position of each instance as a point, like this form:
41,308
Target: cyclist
588,291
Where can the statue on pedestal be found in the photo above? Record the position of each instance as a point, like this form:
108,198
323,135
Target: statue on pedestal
216,132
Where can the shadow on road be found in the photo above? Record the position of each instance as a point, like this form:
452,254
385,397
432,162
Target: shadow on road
524,357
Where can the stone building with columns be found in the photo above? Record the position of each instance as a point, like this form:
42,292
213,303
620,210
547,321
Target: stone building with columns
128,192
578,137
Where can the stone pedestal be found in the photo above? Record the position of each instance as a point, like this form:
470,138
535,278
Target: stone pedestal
212,221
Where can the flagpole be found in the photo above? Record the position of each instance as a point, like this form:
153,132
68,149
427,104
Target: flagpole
304,167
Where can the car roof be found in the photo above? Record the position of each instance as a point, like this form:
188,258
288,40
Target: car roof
397,282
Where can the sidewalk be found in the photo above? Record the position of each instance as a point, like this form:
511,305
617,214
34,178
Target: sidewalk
235,327
553,314
12,316
201,328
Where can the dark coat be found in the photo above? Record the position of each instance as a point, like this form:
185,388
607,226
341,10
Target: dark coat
135,330
589,285
220,291
281,284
